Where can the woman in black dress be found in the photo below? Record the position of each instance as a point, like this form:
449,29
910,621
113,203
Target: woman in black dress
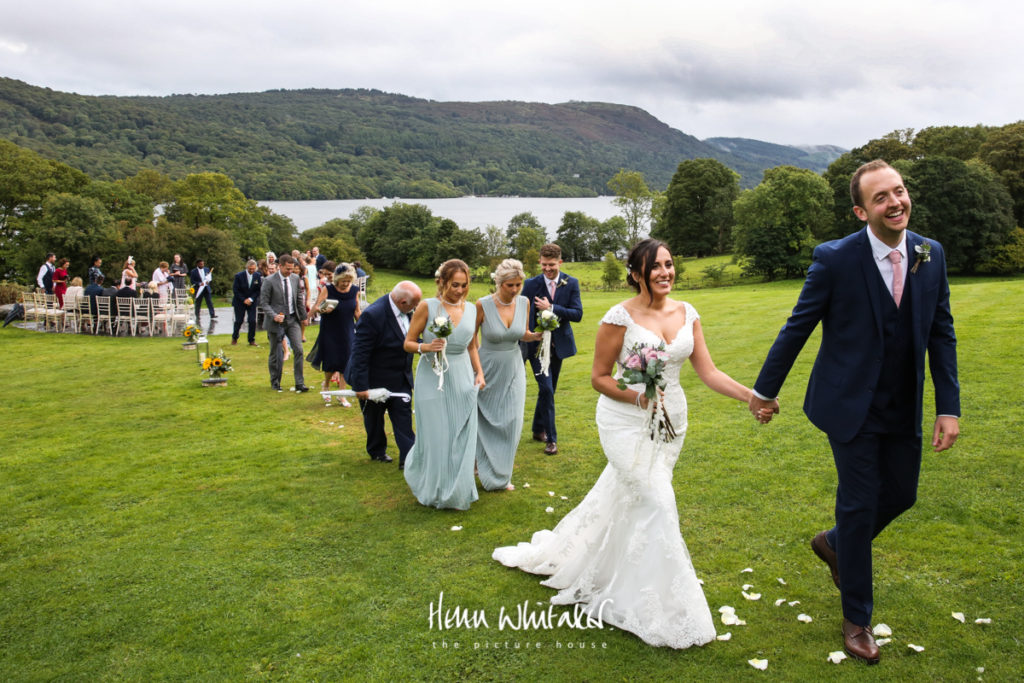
337,328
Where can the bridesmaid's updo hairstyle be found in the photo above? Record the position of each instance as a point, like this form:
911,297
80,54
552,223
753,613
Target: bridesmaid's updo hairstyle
509,269
446,272
640,263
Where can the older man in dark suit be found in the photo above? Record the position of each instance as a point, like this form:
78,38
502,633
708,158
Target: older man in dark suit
283,311
246,291
379,360
882,298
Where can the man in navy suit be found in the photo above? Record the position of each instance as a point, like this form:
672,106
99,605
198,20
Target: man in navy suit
378,361
882,298
246,289
201,278
560,293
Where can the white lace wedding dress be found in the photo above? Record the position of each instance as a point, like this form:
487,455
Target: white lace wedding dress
620,551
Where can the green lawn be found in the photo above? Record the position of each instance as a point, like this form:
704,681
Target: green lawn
152,529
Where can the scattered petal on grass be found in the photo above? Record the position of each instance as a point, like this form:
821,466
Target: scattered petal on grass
806,618
794,603
761,664
298,654
780,601
882,641
748,570
747,586
330,423
456,528
751,596
980,669
983,620
700,581
915,648
837,656
526,486
959,616
726,608
724,636
549,509
882,630
551,493
781,580
564,497
729,619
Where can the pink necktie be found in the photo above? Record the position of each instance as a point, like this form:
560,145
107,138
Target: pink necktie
551,289
897,275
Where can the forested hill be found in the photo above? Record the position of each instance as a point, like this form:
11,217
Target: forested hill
333,144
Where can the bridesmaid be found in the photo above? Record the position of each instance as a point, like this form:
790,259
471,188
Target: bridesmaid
439,468
501,319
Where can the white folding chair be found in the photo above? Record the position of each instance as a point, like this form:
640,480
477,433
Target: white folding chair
72,317
125,315
85,316
104,314
54,313
144,311
361,281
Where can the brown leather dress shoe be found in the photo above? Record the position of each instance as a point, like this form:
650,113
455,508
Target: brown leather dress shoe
821,548
859,642
551,448
540,436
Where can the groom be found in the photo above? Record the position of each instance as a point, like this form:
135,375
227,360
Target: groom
559,292
882,297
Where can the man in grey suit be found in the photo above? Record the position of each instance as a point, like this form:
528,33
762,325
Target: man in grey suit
283,309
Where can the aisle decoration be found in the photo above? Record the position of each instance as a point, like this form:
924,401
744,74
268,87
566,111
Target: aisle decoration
215,366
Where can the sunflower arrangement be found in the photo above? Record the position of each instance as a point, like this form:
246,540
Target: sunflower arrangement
191,332
217,365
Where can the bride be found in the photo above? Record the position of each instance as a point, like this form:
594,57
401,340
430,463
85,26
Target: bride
620,552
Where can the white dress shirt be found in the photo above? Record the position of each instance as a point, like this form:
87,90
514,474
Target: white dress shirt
403,319
880,250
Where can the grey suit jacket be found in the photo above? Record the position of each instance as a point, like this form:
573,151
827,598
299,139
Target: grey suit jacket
273,301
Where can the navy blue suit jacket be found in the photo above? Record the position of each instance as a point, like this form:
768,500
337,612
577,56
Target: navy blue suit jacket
378,358
567,305
242,291
843,291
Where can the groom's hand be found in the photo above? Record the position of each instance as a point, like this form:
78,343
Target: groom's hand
762,410
947,429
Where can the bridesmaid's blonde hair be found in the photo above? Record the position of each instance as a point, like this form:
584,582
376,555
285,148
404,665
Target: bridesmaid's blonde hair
509,269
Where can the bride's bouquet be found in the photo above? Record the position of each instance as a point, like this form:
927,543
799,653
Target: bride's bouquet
440,327
547,322
645,364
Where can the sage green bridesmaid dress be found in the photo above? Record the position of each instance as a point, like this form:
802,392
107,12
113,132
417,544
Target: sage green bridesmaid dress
439,467
501,402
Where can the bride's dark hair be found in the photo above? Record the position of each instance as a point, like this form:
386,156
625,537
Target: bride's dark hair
640,262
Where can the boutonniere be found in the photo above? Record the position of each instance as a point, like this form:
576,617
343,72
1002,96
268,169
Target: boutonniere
564,281
924,255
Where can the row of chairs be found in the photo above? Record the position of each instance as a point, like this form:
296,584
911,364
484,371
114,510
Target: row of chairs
114,314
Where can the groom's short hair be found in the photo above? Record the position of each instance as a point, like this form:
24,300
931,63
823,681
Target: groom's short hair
855,179
551,251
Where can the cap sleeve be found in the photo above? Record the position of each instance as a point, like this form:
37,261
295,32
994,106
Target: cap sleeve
617,315
691,312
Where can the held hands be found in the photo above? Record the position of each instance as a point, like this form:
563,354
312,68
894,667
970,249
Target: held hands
762,410
947,429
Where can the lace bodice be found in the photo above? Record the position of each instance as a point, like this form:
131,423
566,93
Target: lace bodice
678,351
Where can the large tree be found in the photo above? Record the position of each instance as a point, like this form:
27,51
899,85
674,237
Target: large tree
697,215
577,235
634,200
211,199
777,221
525,237
1003,150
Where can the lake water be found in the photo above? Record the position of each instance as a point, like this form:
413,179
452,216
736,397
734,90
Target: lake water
467,212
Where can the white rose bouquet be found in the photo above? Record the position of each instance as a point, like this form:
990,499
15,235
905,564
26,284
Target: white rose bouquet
547,322
441,327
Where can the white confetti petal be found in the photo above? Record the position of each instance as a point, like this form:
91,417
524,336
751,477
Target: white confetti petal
298,654
761,664
780,601
751,596
980,669
729,619
915,648
564,497
781,580
747,586
549,509
959,616
882,631
794,603
806,618
456,528
740,622
526,486
983,620
882,641
837,656
700,581
748,570
724,636
726,608
551,493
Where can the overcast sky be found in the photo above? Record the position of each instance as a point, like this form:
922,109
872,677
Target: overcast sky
786,71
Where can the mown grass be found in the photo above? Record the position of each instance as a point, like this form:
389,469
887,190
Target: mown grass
154,530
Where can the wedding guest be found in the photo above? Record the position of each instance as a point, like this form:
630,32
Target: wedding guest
128,275
879,317
151,290
74,291
619,553
501,320
94,269
359,269
379,361
201,277
439,469
162,278
60,280
178,271
283,308
560,293
246,295
318,258
44,278
93,290
333,346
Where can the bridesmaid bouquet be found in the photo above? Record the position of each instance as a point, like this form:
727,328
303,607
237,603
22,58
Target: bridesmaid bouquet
441,327
547,322
645,364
